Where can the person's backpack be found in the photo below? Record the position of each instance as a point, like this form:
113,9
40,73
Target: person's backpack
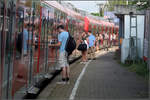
70,45
19,42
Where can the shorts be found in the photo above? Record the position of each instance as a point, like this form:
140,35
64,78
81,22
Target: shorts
25,52
63,60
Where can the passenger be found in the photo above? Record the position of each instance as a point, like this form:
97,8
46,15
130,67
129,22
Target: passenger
114,39
111,40
91,41
31,35
25,48
103,40
84,53
63,56
25,40
100,41
97,42
106,41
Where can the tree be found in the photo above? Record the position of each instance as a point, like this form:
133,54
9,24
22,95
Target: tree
111,3
141,4
101,13
95,14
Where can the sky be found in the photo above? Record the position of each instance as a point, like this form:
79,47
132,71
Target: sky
89,6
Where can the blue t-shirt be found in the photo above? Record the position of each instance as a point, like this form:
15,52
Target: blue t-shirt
62,37
25,39
91,40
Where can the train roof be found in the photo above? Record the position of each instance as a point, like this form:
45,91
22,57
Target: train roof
78,16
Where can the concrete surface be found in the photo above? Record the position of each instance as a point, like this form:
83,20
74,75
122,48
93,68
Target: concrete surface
104,78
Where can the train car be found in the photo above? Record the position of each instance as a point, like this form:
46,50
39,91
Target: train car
27,27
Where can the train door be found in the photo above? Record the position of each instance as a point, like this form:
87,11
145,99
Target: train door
21,58
23,76
44,46
51,37
46,42
41,47
8,46
44,38
53,34
36,46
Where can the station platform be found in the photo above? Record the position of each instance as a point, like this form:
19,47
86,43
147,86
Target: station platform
99,79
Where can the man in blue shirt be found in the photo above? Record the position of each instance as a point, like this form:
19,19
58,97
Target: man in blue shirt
91,41
25,39
63,61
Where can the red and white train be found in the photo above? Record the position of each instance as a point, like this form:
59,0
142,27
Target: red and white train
20,71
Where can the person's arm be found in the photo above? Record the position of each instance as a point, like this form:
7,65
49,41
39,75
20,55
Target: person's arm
59,41
58,44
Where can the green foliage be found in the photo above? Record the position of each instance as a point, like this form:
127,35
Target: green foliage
112,3
141,69
102,13
97,14
141,4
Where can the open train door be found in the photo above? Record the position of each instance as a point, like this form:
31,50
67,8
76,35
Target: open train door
7,46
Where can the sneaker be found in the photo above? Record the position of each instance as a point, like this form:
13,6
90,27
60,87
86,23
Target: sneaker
61,82
84,62
94,58
81,62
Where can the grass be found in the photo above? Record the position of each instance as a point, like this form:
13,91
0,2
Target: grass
140,68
